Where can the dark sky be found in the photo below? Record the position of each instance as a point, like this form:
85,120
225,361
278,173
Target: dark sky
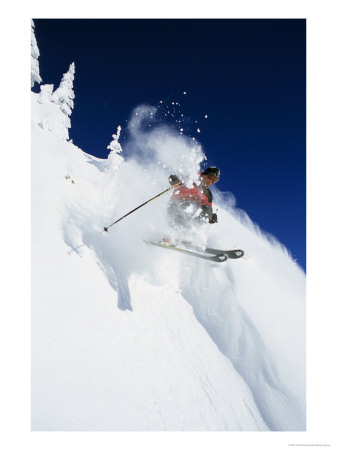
247,76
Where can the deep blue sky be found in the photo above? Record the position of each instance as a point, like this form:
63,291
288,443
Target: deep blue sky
248,76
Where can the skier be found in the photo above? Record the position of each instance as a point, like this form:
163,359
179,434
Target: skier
189,207
192,206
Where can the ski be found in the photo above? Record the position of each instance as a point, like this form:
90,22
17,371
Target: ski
211,257
232,254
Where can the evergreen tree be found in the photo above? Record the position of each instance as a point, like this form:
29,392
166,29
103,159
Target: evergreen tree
35,68
114,160
46,91
64,95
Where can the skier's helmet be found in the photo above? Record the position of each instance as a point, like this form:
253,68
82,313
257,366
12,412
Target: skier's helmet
212,172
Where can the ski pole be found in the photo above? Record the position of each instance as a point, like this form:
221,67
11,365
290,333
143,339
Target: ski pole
143,204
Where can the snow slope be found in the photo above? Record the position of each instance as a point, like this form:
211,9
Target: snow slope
131,337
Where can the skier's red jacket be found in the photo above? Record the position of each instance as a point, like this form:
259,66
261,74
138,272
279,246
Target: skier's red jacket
199,194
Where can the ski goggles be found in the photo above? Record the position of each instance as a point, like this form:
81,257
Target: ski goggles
212,177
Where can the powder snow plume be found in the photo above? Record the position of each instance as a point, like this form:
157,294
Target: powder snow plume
155,144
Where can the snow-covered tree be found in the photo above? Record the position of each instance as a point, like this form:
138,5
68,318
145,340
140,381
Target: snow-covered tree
46,91
64,95
35,68
114,159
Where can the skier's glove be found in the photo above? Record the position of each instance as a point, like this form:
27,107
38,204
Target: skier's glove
173,179
213,219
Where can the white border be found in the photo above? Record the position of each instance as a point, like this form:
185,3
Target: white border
15,226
